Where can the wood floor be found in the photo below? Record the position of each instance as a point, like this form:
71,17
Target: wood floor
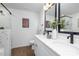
22,51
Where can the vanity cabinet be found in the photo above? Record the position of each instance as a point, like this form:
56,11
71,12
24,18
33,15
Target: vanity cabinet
5,42
42,50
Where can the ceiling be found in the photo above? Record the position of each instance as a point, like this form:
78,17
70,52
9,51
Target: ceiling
36,7
66,8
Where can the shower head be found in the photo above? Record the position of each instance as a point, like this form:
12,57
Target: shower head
1,12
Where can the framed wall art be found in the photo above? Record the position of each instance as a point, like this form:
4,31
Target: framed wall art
25,23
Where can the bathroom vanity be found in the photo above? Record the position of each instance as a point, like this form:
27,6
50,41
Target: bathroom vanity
54,47
42,49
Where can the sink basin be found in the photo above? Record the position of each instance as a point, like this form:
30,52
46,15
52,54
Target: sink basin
65,49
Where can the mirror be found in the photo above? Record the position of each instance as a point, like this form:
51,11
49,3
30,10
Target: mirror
50,16
69,17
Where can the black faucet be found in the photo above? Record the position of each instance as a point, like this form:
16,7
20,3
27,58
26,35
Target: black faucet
71,38
48,35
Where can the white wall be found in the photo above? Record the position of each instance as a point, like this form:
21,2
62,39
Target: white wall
21,36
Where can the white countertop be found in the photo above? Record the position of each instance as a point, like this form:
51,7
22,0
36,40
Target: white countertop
60,46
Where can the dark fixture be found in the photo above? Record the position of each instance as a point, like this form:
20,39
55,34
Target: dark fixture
1,11
2,28
71,38
48,35
6,8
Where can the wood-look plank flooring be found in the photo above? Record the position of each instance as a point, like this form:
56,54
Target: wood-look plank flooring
22,51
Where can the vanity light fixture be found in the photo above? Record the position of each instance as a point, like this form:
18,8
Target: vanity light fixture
47,6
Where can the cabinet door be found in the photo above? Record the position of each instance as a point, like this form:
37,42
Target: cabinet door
39,49
36,50
43,50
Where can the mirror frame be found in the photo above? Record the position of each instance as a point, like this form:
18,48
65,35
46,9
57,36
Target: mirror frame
54,4
66,32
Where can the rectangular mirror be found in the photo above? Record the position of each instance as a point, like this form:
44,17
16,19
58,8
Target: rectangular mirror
69,17
50,15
